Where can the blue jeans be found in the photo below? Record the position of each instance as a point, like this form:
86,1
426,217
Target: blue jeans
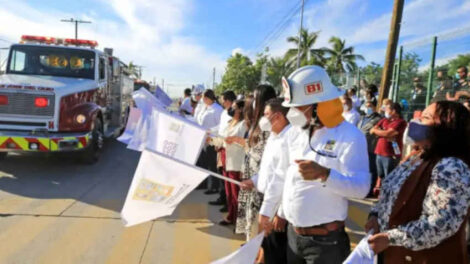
385,165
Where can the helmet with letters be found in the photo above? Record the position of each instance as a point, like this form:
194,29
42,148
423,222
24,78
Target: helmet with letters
308,85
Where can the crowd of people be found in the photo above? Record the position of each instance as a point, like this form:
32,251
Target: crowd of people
300,155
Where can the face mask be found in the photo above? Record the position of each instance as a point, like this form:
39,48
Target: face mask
457,76
330,113
387,115
254,104
417,131
345,107
231,112
265,124
297,117
369,111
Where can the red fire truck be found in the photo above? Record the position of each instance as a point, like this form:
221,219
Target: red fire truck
62,95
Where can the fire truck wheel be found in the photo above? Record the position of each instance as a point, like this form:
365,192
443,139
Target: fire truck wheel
3,155
94,149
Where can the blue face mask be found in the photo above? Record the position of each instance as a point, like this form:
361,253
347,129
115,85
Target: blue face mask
369,111
417,131
457,76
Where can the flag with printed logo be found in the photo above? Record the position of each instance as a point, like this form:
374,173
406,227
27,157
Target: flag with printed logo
160,183
246,254
175,136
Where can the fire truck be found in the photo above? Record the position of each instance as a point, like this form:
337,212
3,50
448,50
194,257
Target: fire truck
62,95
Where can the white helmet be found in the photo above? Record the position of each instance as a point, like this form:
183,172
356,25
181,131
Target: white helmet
308,85
198,89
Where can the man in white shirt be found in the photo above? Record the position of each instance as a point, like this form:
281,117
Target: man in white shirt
274,120
349,112
185,107
328,163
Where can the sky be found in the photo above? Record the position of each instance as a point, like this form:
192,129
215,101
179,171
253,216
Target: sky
182,41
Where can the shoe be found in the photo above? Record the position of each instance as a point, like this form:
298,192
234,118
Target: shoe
217,202
210,192
225,223
223,209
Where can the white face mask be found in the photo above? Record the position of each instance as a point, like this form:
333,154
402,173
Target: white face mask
387,115
297,117
265,124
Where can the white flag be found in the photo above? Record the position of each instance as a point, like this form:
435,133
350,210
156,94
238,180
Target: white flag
175,136
362,254
159,185
132,121
246,254
146,101
139,138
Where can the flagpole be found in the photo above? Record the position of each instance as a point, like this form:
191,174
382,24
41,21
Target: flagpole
195,167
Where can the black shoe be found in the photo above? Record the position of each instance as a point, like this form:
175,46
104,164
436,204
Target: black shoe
217,202
210,192
225,223
223,209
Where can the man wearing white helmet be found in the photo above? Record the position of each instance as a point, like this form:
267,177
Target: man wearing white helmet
327,162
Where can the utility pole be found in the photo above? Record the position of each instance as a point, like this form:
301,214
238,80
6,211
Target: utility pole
431,70
391,49
213,79
300,33
76,21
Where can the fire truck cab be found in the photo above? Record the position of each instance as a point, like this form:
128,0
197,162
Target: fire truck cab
62,95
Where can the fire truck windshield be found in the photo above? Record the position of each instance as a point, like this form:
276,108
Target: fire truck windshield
51,61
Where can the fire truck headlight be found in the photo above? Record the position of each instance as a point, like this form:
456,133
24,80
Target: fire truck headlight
80,119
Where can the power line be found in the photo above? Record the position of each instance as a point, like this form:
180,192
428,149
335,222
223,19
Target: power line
280,26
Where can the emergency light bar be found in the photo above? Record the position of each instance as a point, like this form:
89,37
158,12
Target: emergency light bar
58,41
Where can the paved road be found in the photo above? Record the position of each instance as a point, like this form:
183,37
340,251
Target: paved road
53,210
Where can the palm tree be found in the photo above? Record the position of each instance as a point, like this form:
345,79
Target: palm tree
134,70
341,58
308,54
276,69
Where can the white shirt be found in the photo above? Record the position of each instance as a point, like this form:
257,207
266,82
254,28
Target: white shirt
209,116
199,107
224,121
272,163
356,101
344,150
234,153
352,116
186,105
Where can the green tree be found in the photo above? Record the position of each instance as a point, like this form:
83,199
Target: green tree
341,58
461,60
372,73
308,54
409,70
277,68
240,75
